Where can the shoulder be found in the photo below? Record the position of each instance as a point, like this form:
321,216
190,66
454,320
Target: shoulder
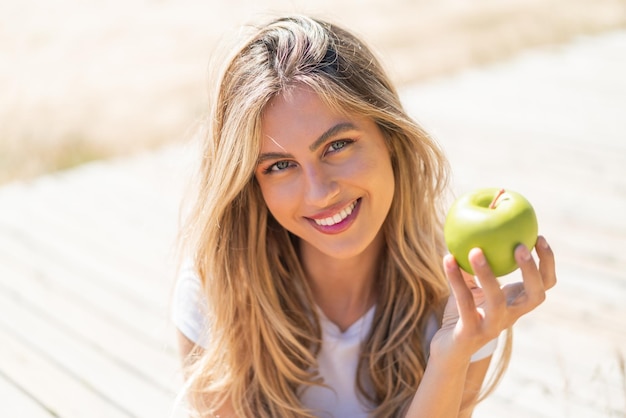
189,309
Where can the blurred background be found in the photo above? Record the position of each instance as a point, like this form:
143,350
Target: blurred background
86,80
529,94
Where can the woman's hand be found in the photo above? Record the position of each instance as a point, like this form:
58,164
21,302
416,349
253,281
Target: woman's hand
476,315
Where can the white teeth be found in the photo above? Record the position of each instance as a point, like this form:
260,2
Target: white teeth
332,220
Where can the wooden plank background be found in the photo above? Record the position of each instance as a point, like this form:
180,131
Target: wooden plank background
86,256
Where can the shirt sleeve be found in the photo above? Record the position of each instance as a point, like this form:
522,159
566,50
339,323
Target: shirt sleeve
189,307
485,351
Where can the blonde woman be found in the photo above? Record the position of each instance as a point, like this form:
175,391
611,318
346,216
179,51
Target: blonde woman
320,285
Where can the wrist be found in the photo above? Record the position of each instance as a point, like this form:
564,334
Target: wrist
444,377
449,355
450,363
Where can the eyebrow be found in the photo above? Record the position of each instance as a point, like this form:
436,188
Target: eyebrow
334,130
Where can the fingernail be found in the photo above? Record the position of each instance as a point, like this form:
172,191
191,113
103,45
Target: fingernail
478,257
450,263
543,243
482,260
523,253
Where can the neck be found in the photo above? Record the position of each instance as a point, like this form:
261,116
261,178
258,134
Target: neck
344,289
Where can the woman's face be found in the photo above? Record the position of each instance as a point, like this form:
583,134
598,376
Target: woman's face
325,177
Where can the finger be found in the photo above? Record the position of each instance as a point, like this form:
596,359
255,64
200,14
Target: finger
462,294
477,291
534,290
494,297
546,262
470,280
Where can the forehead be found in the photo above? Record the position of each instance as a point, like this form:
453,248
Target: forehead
298,112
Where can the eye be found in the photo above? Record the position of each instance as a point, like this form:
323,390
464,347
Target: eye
277,166
338,145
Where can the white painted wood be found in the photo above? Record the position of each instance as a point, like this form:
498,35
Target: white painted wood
61,393
15,403
115,380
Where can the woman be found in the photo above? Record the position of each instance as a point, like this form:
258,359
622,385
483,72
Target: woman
320,283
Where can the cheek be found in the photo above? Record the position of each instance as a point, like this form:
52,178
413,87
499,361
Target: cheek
381,182
376,171
385,181
279,198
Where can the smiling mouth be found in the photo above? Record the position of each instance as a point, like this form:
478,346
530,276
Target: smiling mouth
338,217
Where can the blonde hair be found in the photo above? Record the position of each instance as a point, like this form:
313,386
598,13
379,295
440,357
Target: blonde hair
264,334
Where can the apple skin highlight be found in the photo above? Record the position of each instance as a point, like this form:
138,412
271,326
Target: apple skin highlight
494,220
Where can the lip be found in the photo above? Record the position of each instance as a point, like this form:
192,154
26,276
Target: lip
339,226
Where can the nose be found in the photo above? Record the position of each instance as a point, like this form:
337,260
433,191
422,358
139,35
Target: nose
320,187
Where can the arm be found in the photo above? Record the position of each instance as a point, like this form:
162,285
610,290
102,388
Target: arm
185,348
473,383
475,315
460,381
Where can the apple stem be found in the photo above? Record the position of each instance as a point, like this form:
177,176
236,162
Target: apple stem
492,205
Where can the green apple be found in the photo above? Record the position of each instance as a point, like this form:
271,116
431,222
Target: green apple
494,220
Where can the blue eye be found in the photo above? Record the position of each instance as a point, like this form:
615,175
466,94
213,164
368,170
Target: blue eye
338,145
277,166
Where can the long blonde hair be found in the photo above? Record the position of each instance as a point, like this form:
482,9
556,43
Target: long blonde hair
264,334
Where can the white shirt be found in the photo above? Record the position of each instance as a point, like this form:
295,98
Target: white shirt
337,362
337,359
